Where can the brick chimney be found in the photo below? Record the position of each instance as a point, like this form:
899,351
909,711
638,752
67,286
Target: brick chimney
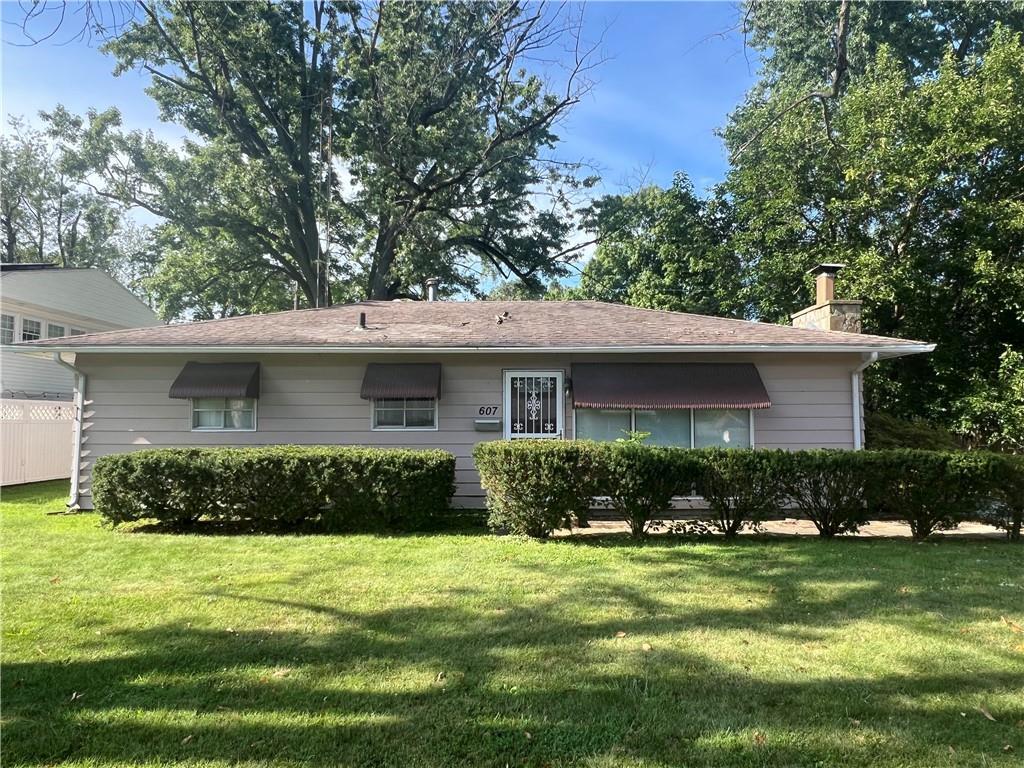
828,313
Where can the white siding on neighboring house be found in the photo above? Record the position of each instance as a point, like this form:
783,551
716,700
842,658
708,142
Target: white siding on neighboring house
314,399
72,300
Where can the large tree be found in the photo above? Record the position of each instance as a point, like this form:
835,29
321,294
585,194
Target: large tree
664,249
47,215
362,146
887,136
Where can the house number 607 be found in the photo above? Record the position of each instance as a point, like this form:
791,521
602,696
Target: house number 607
488,410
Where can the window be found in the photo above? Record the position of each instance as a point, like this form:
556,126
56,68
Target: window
669,427
534,404
76,332
723,429
226,414
54,331
672,427
6,329
602,424
31,330
405,413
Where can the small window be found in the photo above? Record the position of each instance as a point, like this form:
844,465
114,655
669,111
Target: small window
54,331
76,332
31,330
6,329
226,414
722,429
405,413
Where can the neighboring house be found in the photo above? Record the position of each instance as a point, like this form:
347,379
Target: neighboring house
449,374
44,301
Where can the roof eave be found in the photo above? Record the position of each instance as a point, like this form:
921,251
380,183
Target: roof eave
884,351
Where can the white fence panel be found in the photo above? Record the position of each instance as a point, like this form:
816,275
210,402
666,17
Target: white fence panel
35,440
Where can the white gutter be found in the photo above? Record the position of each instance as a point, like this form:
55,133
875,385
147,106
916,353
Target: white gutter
881,351
76,450
858,416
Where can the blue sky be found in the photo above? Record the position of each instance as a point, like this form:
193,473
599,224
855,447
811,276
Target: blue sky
670,79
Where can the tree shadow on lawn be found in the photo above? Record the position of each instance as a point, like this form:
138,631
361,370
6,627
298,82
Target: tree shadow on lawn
536,684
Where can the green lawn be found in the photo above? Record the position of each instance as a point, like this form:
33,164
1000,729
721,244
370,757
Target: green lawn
125,648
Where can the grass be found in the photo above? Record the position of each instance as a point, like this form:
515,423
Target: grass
124,648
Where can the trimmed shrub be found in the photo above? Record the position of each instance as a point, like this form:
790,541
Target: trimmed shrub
741,487
1002,503
334,488
929,490
536,486
173,485
641,480
883,432
829,488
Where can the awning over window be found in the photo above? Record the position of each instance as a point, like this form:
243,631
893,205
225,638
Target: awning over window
394,380
668,385
217,380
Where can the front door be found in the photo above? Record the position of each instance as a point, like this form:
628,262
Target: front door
534,405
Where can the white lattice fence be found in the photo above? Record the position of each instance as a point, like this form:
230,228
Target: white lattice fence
35,440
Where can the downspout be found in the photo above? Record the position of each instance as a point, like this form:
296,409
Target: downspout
76,449
858,416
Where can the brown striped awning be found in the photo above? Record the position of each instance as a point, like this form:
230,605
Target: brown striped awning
700,386
217,380
395,380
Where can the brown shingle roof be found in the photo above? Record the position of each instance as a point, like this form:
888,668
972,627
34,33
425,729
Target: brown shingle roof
475,324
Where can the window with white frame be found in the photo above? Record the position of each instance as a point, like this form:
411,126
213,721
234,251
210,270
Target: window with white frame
405,413
675,427
6,329
54,331
31,330
224,414
76,332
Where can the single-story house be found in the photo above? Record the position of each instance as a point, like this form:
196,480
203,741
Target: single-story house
448,374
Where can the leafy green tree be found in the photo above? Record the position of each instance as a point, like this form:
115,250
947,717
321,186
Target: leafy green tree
46,215
341,143
448,136
256,85
906,167
210,279
664,249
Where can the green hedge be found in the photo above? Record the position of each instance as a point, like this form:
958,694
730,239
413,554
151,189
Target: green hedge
742,487
829,488
1001,501
639,481
534,487
331,488
929,490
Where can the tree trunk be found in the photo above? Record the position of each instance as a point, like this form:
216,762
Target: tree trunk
379,287
10,240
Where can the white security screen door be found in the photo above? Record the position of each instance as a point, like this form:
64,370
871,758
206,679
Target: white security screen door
534,406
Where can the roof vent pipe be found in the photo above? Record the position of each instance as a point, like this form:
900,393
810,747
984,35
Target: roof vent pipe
362,320
431,284
825,282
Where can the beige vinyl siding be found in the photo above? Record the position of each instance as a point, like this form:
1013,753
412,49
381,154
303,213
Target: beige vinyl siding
314,399
86,300
86,295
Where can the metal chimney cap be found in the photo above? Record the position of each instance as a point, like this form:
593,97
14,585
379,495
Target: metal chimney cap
825,269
